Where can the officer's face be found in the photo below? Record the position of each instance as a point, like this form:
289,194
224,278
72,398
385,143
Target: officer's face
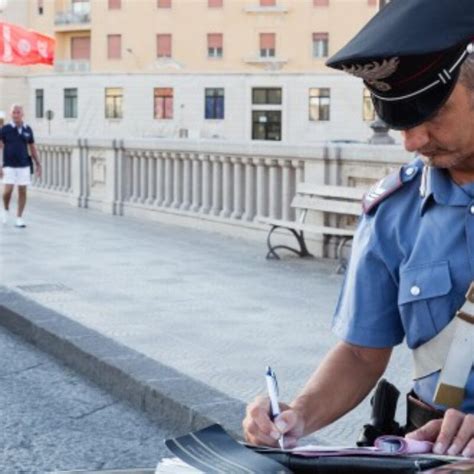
447,140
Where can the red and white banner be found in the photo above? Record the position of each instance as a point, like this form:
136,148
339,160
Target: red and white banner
23,47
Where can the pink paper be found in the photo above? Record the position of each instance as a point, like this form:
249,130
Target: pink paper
400,445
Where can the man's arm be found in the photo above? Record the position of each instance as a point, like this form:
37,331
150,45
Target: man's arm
1,161
34,155
342,381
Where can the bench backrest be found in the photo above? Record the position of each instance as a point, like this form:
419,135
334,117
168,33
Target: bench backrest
332,199
329,191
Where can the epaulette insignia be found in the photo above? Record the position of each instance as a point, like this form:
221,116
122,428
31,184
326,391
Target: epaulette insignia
380,190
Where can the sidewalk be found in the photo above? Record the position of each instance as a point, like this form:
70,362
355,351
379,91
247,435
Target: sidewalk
202,306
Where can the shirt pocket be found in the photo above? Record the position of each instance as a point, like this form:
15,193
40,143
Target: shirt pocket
424,300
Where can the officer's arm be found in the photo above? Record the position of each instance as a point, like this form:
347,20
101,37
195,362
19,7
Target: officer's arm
344,378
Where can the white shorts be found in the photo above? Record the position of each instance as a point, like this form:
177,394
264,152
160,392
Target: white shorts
18,176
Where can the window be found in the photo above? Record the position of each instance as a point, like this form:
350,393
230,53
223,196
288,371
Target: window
319,102
266,96
320,3
163,103
214,45
214,108
214,3
368,111
39,103
267,3
70,103
40,7
320,45
163,46
267,45
81,48
115,4
113,102
81,7
114,46
266,125
164,3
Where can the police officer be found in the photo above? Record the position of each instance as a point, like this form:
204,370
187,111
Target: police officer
17,140
412,260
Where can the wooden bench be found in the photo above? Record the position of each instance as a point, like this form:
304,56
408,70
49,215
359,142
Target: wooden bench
329,200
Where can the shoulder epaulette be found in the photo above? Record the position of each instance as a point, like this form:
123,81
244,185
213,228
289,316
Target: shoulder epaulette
388,185
381,190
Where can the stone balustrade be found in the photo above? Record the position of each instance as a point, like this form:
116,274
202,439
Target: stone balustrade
190,182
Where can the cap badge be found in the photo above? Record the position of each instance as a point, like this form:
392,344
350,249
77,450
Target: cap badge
374,71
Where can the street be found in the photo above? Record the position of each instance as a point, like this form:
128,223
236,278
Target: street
52,419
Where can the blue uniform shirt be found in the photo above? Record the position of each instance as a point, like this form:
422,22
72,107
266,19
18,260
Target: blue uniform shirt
15,145
411,265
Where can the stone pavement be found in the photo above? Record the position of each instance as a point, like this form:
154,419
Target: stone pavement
207,306
53,419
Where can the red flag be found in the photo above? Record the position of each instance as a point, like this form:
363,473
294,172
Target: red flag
22,47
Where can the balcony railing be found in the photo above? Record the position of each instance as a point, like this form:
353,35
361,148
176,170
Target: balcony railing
74,66
79,14
271,63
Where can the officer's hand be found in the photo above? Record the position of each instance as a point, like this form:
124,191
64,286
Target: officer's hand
38,170
260,430
452,435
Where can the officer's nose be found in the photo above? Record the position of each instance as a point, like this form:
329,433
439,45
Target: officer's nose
415,138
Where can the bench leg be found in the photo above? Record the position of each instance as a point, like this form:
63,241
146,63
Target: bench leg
342,267
302,252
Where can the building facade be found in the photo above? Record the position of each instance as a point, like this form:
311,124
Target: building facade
233,70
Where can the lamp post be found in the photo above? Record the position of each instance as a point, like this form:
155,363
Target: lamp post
380,136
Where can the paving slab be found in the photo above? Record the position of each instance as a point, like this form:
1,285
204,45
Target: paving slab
173,319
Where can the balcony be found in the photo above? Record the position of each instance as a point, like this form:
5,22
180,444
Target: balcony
257,8
72,66
271,63
76,18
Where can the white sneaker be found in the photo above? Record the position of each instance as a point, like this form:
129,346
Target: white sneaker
5,216
20,222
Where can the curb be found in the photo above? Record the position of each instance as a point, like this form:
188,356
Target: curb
160,391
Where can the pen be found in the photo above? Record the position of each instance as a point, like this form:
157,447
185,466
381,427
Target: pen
272,388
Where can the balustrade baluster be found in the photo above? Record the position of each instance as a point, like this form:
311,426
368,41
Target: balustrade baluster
187,182
249,206
51,154
177,181
274,189
168,180
216,185
159,177
206,184
61,170
143,178
68,171
262,188
135,177
287,190
238,188
196,183
227,190
151,179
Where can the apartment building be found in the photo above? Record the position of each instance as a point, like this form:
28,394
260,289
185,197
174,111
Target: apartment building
234,70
